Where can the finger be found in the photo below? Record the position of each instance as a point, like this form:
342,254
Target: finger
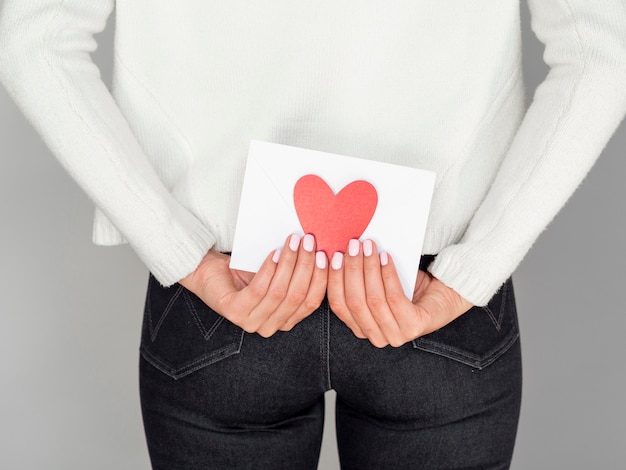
240,303
279,284
423,280
315,295
336,298
354,286
375,295
410,320
297,290
440,305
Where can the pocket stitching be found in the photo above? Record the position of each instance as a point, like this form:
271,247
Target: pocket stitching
194,313
196,364
464,357
154,331
498,322
492,317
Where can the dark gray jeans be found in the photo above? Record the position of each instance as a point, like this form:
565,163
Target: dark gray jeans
215,397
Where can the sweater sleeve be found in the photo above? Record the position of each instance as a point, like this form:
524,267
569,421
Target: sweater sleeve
46,67
574,112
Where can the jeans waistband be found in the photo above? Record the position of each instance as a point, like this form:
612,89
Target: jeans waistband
425,261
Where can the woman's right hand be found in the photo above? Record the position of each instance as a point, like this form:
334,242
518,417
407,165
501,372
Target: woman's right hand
288,287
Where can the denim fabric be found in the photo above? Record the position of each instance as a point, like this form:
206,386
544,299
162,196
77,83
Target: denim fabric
215,397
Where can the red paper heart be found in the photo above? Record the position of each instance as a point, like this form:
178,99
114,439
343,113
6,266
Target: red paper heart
334,219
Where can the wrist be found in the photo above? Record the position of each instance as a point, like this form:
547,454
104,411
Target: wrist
189,279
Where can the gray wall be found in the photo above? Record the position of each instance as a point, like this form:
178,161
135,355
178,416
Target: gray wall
70,317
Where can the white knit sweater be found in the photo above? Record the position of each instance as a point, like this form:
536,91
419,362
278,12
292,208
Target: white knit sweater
431,84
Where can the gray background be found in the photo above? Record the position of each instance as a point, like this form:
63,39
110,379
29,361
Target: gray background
70,318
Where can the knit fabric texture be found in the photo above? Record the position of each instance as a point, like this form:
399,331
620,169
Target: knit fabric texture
431,84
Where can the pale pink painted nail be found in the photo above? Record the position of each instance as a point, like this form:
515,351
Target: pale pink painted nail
276,256
384,259
368,248
337,261
308,243
294,242
353,247
320,260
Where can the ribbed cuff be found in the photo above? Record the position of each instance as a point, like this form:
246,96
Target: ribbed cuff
182,255
472,282
171,252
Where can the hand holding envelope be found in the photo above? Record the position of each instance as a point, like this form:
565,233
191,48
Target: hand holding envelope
287,288
339,200
364,291
284,186
289,285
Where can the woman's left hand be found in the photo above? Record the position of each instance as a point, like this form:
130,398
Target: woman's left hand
365,292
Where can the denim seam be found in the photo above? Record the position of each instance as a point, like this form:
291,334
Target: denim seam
505,293
468,358
154,331
194,313
324,346
492,317
195,365
497,322
327,332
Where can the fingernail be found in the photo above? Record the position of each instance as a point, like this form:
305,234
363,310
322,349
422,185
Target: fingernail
337,261
353,247
320,260
384,259
276,256
368,248
294,242
308,242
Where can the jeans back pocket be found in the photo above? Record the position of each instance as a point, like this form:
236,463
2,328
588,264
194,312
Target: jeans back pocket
479,336
181,334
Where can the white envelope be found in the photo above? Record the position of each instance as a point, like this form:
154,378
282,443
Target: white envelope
267,213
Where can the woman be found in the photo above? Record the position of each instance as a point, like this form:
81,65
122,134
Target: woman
436,87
